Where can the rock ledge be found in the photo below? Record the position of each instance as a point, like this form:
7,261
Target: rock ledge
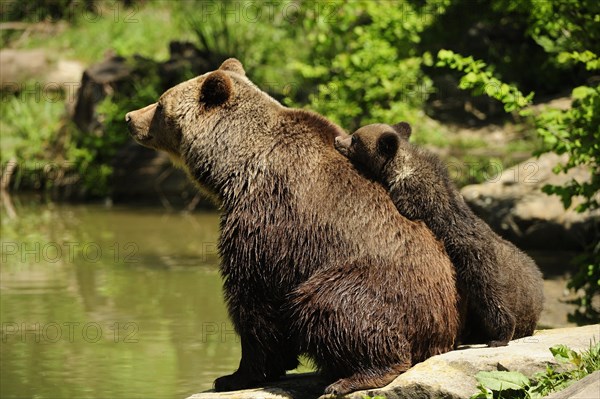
449,376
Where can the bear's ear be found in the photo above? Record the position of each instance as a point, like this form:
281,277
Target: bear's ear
233,65
216,89
403,129
387,144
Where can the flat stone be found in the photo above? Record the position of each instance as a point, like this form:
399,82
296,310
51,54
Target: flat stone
294,386
450,375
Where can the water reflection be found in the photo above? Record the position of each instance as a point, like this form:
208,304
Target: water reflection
125,302
119,303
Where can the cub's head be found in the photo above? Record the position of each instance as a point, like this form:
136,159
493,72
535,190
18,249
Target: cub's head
187,114
373,146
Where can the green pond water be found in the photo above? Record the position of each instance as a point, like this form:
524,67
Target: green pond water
126,302
100,302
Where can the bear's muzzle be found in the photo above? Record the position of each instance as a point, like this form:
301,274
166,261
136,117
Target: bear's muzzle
138,123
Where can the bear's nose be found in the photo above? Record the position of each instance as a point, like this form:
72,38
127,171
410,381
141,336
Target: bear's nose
128,117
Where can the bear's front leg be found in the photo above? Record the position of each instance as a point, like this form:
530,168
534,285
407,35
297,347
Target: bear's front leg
251,371
267,352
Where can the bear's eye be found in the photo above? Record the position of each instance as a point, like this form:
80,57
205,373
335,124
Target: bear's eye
354,140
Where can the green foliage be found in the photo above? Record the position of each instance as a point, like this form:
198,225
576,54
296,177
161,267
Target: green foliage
497,32
515,385
23,137
575,132
363,61
254,33
28,124
479,77
357,64
586,57
563,26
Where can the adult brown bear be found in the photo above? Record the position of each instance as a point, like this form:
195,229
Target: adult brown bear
315,258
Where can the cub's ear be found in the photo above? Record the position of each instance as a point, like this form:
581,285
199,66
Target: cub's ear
233,65
403,129
216,89
387,144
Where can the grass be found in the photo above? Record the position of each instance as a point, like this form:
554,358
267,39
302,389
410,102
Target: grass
144,30
28,123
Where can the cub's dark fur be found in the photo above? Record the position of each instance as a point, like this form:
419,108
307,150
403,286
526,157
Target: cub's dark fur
501,285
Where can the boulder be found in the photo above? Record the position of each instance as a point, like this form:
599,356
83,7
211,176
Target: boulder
515,207
97,82
450,375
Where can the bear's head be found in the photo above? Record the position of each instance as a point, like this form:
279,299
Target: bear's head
163,125
373,146
204,124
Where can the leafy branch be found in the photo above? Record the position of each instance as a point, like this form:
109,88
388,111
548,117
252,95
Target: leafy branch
479,77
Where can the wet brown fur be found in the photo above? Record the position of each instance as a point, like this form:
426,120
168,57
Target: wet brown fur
315,258
501,285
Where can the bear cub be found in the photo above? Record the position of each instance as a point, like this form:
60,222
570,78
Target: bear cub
501,285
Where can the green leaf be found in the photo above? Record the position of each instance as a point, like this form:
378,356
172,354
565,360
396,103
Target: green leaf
564,354
581,92
484,393
502,380
560,353
427,59
445,54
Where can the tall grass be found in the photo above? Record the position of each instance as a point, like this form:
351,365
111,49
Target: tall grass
141,29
